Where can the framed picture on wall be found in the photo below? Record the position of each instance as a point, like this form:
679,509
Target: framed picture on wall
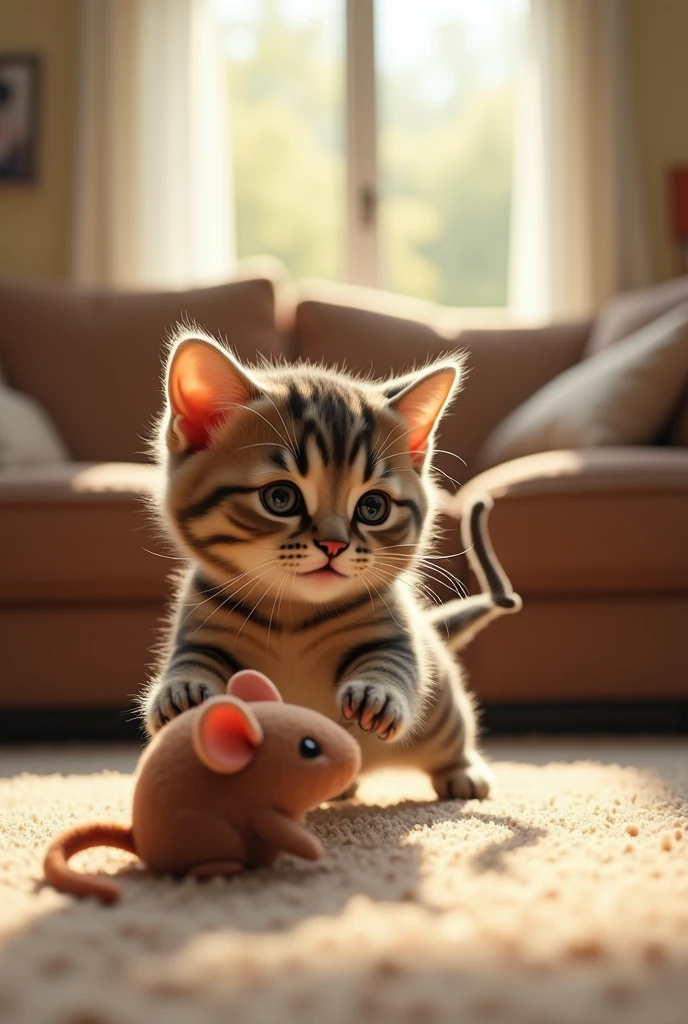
19,87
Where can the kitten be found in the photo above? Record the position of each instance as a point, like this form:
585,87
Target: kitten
303,501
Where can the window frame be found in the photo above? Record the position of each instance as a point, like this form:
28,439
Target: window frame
361,169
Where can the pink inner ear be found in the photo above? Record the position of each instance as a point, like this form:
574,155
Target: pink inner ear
252,686
204,389
226,736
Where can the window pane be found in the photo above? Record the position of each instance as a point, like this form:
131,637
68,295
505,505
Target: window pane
446,76
285,63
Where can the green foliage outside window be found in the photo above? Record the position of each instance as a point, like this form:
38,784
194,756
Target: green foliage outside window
445,163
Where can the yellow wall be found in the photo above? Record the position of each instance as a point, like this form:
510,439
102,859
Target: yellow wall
659,63
34,218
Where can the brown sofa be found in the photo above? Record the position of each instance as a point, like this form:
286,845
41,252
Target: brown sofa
595,541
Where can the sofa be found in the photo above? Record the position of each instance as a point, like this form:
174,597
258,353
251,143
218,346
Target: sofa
594,539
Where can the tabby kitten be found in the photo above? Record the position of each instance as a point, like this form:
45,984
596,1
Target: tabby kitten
303,501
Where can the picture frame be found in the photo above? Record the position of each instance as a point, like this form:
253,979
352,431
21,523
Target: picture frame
20,76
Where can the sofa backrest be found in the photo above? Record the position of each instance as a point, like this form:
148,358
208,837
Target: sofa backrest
94,359
504,367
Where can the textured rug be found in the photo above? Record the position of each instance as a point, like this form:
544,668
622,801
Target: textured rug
562,899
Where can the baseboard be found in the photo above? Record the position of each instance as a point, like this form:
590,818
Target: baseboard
611,717
111,724
64,725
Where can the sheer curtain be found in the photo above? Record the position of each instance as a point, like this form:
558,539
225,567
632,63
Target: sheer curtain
578,224
153,192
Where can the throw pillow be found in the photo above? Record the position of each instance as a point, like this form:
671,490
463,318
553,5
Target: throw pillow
27,435
623,395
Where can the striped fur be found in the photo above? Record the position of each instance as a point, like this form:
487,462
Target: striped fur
326,602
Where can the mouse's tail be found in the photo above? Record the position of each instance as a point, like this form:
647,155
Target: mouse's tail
82,837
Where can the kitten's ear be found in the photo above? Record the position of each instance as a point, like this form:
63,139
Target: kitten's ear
421,404
205,385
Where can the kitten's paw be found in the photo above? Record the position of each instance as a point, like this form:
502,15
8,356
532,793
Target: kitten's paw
170,699
468,782
376,708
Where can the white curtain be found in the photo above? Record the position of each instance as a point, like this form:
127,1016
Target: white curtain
153,195
578,230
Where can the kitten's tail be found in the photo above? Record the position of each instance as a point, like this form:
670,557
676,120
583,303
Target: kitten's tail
459,621
56,867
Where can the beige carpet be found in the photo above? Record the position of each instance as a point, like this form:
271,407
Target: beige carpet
563,899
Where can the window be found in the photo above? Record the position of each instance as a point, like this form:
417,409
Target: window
409,172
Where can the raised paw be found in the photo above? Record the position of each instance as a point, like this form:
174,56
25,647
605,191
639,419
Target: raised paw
469,782
170,699
377,708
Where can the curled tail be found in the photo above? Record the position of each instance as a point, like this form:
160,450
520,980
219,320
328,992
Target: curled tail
82,837
458,621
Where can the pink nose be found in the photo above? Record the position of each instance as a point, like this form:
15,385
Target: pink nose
332,547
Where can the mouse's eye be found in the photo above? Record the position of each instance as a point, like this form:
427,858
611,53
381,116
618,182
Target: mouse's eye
309,748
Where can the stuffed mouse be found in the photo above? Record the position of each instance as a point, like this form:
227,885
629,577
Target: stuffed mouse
221,788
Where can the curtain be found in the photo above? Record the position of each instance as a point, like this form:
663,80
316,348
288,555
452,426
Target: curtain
153,203
578,232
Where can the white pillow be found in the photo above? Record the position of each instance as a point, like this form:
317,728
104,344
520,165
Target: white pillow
27,436
622,395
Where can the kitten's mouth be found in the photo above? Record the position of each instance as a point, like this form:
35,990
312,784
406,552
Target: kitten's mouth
326,572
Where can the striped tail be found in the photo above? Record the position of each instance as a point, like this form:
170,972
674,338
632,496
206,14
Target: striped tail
458,621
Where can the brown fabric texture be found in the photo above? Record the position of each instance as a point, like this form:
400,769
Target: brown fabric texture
679,426
80,532
629,312
623,395
589,522
584,647
562,899
79,655
504,367
94,359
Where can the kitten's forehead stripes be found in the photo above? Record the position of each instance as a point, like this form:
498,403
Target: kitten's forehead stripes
310,429
348,427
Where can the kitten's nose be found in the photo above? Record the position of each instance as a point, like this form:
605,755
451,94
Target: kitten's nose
332,547
331,534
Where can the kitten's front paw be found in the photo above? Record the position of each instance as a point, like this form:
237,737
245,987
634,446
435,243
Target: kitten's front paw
377,708
170,699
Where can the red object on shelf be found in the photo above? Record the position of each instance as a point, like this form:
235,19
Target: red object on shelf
678,185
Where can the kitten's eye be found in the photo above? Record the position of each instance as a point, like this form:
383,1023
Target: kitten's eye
309,748
373,508
282,499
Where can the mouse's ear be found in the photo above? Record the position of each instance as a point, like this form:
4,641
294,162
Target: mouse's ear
250,685
226,734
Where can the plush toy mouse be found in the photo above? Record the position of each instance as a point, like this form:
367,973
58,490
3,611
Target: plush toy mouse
221,788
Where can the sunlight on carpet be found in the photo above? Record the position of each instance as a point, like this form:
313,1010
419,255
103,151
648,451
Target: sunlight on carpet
564,898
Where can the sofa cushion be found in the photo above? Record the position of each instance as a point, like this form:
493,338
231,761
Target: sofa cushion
504,366
27,434
93,359
623,395
629,312
603,521
583,649
80,532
